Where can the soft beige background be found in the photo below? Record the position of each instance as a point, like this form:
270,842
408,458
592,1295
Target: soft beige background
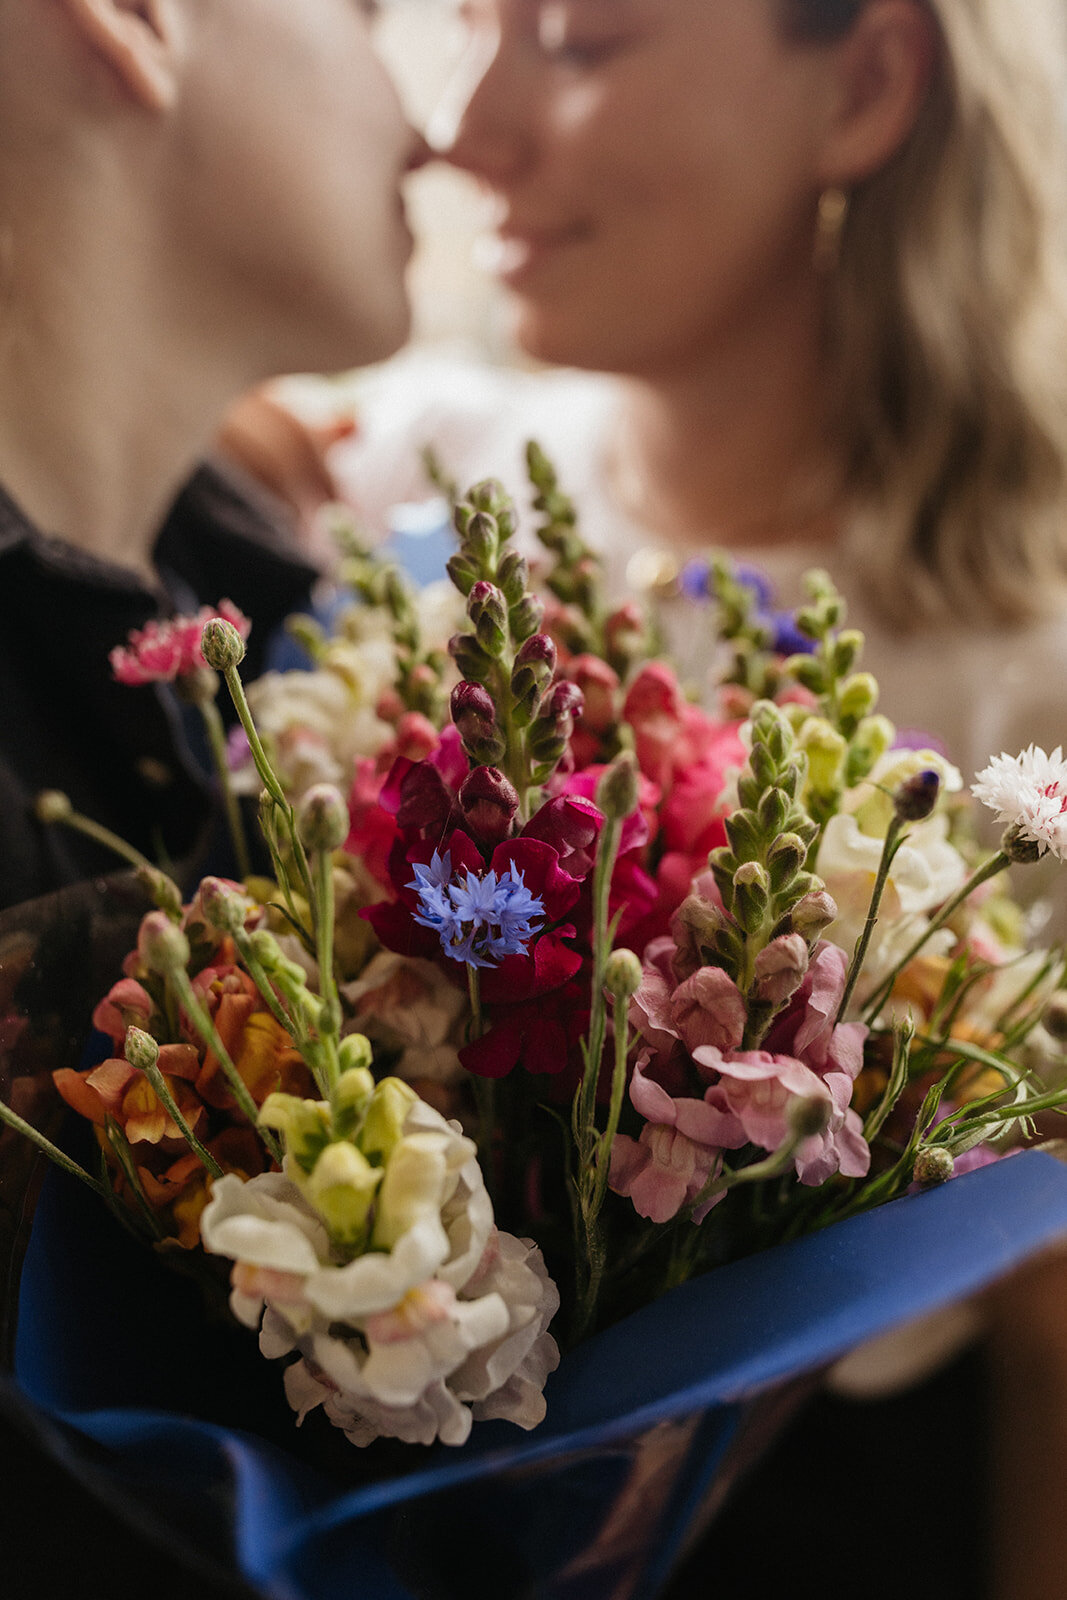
421,43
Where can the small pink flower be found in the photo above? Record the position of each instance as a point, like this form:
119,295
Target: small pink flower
163,651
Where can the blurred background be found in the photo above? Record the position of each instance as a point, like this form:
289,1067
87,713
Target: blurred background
421,42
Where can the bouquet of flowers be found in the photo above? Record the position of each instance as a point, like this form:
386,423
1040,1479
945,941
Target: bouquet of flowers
561,989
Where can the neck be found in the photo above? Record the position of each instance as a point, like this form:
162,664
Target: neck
732,447
107,398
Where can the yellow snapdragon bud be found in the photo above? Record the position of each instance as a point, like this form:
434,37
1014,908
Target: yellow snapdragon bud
303,1124
826,751
412,1189
383,1126
342,1188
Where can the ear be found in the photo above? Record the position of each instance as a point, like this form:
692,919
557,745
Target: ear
882,71
135,38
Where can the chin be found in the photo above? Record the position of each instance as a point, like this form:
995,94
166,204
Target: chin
565,340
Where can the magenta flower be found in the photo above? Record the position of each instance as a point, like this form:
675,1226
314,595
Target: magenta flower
163,651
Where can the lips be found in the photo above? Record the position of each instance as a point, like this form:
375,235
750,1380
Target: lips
512,252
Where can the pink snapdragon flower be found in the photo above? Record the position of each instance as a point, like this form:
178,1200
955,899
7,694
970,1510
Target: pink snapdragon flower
162,651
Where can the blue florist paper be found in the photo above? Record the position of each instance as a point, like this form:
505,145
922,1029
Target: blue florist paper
640,1417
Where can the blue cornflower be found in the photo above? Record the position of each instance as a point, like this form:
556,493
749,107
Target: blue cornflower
479,920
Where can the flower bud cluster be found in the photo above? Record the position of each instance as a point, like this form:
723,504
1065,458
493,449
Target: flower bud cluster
848,735
773,908
584,623
509,710
378,582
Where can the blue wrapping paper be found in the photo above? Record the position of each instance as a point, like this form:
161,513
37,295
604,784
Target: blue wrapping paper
593,1503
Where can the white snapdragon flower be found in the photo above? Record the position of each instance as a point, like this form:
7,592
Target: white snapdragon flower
1029,791
926,871
444,1320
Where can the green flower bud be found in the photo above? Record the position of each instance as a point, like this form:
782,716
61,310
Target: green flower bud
808,1115
342,1188
488,612
617,791
481,541
808,671
933,1164
622,974
355,1055
846,651
303,1124
1019,847
224,907
322,818
773,809
752,889
162,890
52,805
513,576
161,944
859,696
869,744
826,750
463,572
221,645
746,839
525,618
474,663
140,1049
383,1126
785,858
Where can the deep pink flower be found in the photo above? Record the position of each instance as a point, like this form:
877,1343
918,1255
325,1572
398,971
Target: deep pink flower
163,651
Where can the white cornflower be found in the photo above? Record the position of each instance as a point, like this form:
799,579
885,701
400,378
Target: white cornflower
1029,791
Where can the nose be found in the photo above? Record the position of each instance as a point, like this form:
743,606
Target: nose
481,123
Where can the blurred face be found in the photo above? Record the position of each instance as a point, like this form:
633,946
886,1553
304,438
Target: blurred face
654,167
293,145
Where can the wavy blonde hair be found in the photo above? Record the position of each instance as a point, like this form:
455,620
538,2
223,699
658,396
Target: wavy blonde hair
948,324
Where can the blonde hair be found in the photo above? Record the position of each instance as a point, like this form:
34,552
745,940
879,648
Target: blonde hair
948,325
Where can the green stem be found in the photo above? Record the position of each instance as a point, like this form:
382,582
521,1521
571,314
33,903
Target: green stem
202,1021
163,1094
995,865
268,777
618,1090
101,835
52,1151
474,990
892,843
216,737
323,906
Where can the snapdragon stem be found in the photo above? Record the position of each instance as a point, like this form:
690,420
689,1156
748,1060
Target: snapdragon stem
170,1105
323,903
267,775
620,1019
893,841
202,1021
57,1156
104,836
993,867
216,737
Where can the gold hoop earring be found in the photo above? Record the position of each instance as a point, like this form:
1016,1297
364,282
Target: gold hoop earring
830,219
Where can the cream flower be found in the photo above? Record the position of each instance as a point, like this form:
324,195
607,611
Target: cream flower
442,1320
1029,791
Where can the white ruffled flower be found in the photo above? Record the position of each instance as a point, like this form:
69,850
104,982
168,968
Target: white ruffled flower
412,1341
1029,791
926,871
317,724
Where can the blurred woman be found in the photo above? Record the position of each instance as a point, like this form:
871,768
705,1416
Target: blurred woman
817,244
